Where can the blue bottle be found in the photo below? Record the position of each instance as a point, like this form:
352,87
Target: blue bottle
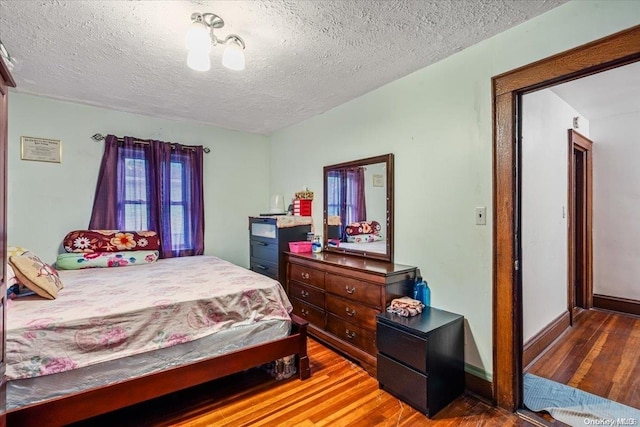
421,291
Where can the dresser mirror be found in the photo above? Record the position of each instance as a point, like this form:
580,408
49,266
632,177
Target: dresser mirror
358,207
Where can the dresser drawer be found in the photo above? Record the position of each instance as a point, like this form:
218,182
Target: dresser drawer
403,382
306,293
406,348
263,267
353,289
306,275
353,334
263,229
312,314
265,251
352,311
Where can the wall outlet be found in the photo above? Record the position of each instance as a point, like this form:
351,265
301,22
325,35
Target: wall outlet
481,215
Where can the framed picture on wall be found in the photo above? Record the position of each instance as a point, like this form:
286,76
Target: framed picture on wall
40,149
378,180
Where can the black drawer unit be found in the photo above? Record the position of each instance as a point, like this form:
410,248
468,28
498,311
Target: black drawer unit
421,358
268,242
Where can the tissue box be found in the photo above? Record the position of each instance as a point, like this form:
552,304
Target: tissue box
299,247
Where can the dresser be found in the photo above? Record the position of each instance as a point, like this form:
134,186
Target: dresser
421,358
340,296
269,237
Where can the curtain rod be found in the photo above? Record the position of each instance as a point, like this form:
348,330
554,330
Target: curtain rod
101,137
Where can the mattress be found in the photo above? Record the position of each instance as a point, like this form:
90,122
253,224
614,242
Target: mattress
110,313
379,247
29,391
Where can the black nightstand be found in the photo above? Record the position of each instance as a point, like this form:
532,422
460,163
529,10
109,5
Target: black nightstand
421,358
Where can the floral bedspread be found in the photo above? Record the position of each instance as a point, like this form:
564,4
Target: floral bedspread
107,313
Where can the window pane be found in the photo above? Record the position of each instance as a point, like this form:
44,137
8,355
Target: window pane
178,238
135,180
176,181
135,216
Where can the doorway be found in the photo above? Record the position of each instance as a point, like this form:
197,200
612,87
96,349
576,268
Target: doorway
607,53
580,241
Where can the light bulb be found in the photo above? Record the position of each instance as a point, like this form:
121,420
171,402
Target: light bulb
233,57
198,37
198,60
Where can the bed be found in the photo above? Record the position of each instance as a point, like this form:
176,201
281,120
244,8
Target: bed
118,336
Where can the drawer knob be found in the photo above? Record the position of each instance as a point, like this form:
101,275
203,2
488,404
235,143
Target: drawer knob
304,294
305,275
349,290
304,312
261,267
350,334
261,243
350,312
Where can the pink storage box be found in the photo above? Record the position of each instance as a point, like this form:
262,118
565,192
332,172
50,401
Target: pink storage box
300,247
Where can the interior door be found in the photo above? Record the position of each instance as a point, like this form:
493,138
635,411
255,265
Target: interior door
580,280
5,81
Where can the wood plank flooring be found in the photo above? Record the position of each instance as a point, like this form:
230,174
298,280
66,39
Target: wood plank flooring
599,355
339,393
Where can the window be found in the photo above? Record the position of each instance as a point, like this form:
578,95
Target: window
136,198
136,203
152,186
345,189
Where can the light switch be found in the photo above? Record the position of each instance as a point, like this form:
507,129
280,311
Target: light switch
481,215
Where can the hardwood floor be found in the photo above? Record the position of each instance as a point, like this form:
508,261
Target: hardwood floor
339,393
600,355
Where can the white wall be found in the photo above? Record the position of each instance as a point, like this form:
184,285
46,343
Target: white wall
545,121
438,123
376,196
47,200
616,198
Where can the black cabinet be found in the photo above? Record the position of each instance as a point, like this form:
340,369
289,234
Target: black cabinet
269,237
421,358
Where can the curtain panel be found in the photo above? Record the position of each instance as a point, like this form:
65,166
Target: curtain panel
152,185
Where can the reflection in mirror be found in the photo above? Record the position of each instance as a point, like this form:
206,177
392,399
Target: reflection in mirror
358,207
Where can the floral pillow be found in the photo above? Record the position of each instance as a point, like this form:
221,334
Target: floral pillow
363,227
90,241
77,261
36,275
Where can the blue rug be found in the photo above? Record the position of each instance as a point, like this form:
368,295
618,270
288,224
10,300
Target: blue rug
575,407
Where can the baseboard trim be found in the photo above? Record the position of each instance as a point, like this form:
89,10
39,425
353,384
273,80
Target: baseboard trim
479,386
622,305
543,339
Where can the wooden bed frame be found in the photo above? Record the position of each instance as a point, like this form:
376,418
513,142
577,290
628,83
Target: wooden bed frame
96,401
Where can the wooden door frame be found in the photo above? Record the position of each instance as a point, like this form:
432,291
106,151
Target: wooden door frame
579,142
610,52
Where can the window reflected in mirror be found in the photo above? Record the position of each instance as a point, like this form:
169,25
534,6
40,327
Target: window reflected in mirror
358,207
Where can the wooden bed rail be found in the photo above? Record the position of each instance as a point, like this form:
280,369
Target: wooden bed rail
90,403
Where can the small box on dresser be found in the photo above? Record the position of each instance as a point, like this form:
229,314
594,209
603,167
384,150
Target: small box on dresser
421,358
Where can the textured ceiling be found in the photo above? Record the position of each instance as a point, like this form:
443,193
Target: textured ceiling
303,57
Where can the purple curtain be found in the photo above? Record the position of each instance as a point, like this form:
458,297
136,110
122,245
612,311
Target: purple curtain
355,188
347,196
160,186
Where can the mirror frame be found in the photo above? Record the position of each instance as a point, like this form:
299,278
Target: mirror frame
388,160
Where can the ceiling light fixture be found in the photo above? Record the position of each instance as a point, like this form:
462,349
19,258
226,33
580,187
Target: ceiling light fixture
200,38
9,60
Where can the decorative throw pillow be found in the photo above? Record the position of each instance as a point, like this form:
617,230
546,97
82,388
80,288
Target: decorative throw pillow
90,241
36,275
363,227
77,261
15,251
